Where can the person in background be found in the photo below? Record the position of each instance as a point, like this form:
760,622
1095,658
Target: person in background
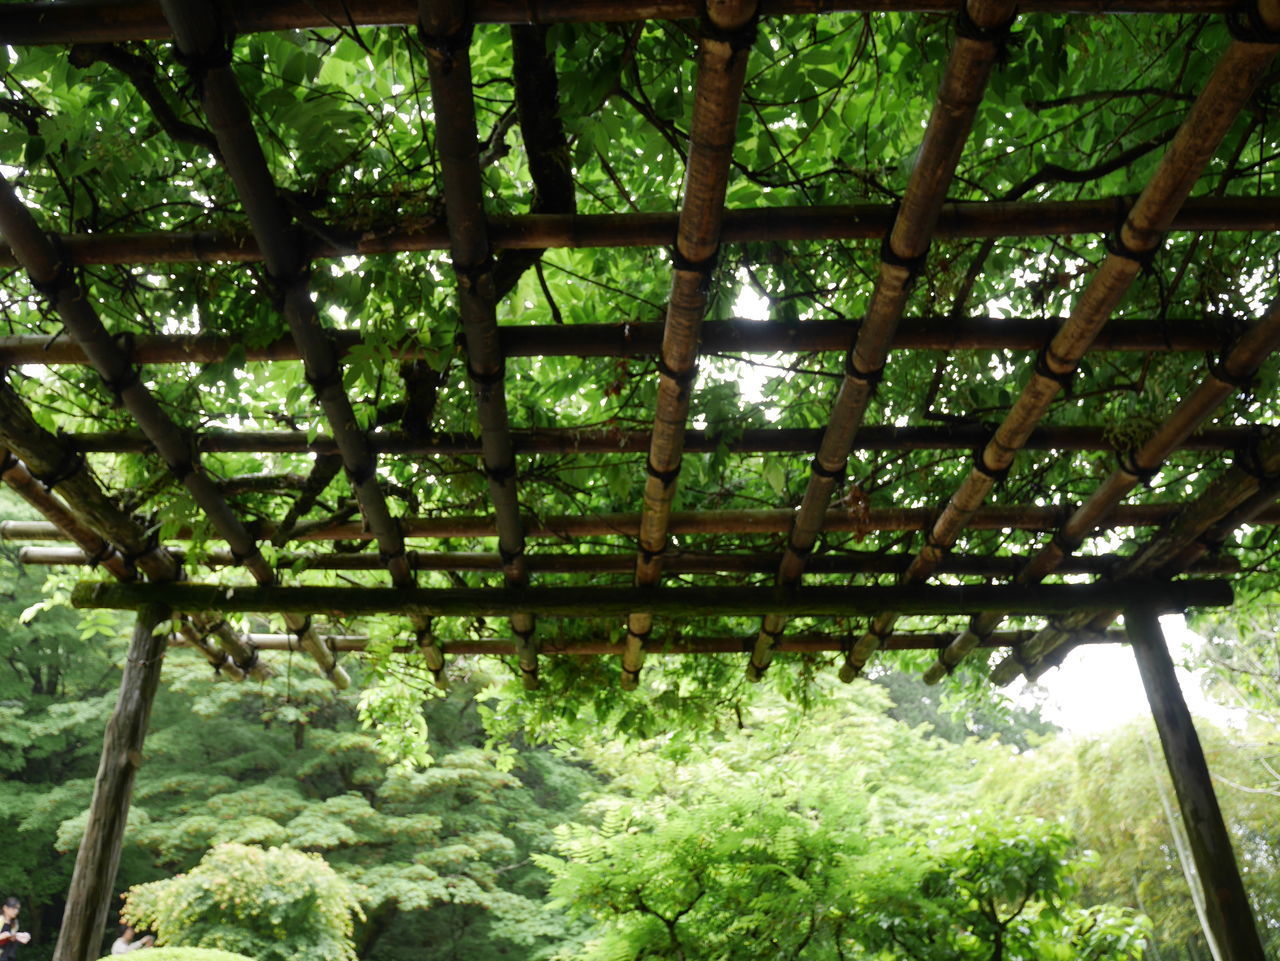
10,936
126,943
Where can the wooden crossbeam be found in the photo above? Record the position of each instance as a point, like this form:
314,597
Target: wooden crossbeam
678,562
1236,75
569,440
1027,517
903,255
723,51
1223,377
110,21
604,602
644,338
868,221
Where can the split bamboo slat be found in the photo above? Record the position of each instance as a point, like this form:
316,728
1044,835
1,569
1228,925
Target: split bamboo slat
1233,80
1235,497
644,338
93,520
981,29
1234,370
798,643
728,32
675,602
867,221
199,36
52,277
108,21
446,34
551,440
1025,517
683,562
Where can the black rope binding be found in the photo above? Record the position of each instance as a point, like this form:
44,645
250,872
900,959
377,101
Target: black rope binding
509,557
738,38
215,56
1249,459
446,48
967,28
1143,258
62,278
100,555
833,475
651,556
471,277
871,378
485,380
1247,26
704,268
667,477
358,478
1043,369
912,265
1217,367
1129,464
72,463
980,465
501,474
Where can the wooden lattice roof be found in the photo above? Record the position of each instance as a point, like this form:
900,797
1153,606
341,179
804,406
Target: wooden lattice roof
552,216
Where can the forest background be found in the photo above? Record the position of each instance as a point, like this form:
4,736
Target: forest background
878,806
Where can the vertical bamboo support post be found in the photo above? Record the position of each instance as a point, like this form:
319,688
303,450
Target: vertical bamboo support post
983,26
1132,248
1227,906
90,895
728,33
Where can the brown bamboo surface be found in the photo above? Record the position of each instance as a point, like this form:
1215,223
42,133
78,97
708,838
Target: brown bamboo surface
446,35
1028,517
644,338
1232,82
677,562
99,21
1239,495
905,250
1222,378
568,440
799,643
40,258
963,220
723,51
683,602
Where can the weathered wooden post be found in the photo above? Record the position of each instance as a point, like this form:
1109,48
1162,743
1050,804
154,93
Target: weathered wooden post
1226,904
89,898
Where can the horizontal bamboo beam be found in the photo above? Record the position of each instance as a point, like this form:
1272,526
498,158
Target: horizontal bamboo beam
661,601
678,562
110,21
799,643
977,220
1014,517
570,440
642,338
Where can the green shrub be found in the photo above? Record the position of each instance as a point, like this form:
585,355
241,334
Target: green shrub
184,954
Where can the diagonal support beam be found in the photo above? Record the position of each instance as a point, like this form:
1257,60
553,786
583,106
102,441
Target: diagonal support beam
446,34
727,35
1233,81
981,29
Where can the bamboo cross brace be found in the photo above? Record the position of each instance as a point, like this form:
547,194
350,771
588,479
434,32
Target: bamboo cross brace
110,21
981,29
643,339
723,50
446,34
604,602
868,221
569,440
1233,370
1229,87
1028,517
50,275
1235,497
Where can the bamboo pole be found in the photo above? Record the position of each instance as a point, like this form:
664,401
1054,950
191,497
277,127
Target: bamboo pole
446,34
48,273
1230,918
980,35
1028,517
643,339
724,48
110,21
1237,496
1229,87
680,562
578,602
569,440
799,643
1221,379
92,889
962,220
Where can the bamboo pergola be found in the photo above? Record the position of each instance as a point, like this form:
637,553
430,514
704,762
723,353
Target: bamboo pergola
454,502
